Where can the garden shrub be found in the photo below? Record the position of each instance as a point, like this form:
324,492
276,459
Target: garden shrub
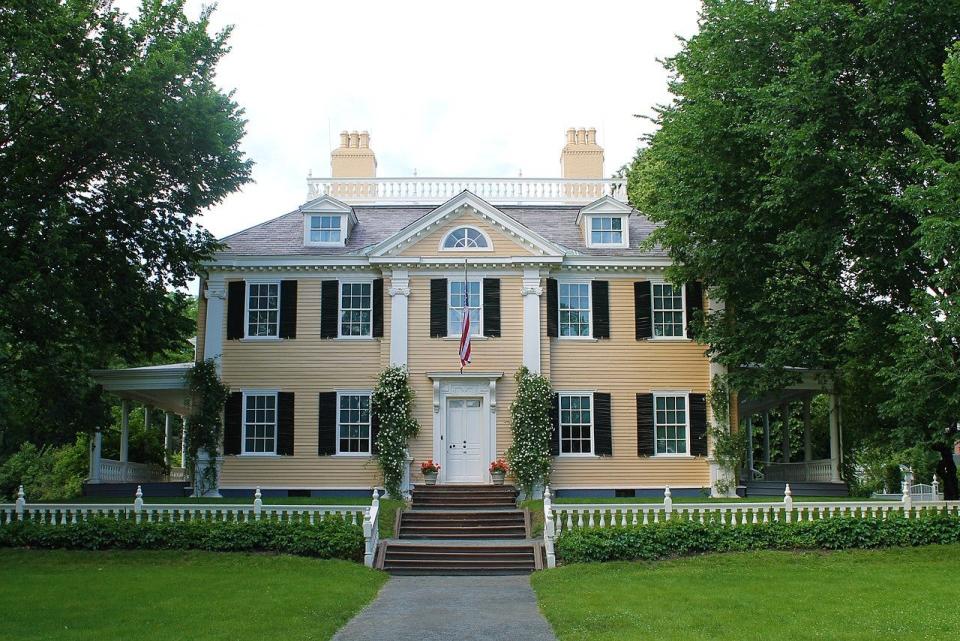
331,538
47,473
679,538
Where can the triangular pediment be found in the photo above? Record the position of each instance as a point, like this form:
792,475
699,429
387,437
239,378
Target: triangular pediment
467,208
605,205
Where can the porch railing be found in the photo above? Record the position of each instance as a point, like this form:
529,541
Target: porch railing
807,471
112,471
563,517
367,517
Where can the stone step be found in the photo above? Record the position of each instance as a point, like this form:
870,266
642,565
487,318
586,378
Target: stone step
518,532
444,558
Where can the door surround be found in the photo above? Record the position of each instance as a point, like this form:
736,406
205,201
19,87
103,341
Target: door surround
481,385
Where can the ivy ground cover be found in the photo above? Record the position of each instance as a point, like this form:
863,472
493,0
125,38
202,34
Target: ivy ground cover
109,596
901,593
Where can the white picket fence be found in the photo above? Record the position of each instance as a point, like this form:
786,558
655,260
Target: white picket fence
562,517
368,517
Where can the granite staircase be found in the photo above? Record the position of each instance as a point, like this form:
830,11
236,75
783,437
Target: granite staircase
461,529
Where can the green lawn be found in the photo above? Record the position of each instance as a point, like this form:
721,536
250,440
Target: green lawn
905,593
105,596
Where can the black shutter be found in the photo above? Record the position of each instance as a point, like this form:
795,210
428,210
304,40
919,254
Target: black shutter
645,425
438,307
288,309
602,425
600,295
555,422
374,428
329,308
233,423
378,308
698,424
694,304
285,406
491,307
553,312
236,291
642,310
327,425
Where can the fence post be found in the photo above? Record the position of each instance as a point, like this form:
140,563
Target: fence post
788,502
667,502
905,499
257,504
935,484
370,526
21,503
138,504
549,528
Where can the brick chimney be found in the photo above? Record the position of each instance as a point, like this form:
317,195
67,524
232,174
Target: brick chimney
581,157
353,158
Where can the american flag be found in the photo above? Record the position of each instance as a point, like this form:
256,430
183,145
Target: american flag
465,327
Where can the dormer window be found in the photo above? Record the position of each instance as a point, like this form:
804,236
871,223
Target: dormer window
606,230
326,229
466,239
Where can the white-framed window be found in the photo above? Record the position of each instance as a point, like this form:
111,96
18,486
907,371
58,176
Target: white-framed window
668,311
353,423
326,229
606,230
263,310
576,423
461,294
356,309
671,423
466,239
260,423
574,312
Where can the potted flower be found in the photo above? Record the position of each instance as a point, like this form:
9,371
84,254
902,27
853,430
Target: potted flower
498,470
429,469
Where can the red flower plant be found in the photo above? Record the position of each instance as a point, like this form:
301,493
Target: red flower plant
429,467
499,466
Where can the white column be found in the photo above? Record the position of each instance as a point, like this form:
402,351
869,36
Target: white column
531,292
96,445
766,436
807,444
399,294
183,442
167,437
124,430
750,447
216,294
834,438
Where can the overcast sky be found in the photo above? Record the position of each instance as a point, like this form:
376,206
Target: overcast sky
446,88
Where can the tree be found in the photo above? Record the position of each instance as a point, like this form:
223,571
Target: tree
780,173
113,139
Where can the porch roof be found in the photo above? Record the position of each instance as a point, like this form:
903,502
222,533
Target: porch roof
164,387
812,382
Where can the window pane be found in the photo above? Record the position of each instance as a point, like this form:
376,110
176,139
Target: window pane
667,310
263,309
354,423
459,295
574,302
465,238
670,420
356,309
575,424
260,423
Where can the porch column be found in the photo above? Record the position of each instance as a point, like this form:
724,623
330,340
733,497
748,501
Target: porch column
183,442
216,294
124,430
834,438
750,447
807,445
96,445
399,293
531,292
167,437
766,436
785,436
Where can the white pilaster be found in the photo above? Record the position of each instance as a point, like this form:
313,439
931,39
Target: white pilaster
834,438
96,445
531,292
183,442
216,295
399,294
124,430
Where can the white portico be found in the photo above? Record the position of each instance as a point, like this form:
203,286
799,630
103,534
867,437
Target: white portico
464,424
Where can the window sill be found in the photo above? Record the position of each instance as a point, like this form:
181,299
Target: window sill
582,339
352,455
258,455
368,339
588,456
473,337
674,456
261,339
671,339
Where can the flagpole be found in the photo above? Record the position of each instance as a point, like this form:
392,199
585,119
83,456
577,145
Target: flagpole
466,300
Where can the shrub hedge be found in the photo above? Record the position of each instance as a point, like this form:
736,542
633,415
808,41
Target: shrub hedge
330,539
678,538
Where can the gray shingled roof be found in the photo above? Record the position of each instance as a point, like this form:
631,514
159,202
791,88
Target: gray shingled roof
283,236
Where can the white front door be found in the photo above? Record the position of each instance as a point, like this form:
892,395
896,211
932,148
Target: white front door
464,440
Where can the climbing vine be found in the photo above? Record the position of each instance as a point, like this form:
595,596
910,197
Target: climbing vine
729,446
393,404
205,429
529,456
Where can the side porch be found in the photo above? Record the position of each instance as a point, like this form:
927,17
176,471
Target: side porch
157,388
794,435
